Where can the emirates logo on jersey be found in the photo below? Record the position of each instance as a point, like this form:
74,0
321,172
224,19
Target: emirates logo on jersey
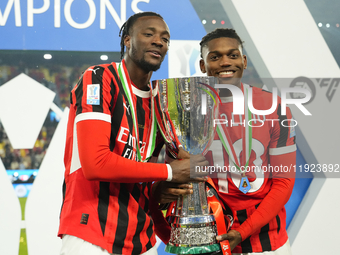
129,142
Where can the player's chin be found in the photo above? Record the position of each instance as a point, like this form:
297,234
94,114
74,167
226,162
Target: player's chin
153,65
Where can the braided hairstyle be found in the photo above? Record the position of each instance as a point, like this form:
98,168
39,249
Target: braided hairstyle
218,33
126,28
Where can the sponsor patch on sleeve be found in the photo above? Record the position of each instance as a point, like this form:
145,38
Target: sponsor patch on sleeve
93,94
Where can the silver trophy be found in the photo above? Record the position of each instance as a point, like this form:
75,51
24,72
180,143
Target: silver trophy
189,107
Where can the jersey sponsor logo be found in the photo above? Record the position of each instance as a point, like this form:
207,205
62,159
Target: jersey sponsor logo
125,137
93,94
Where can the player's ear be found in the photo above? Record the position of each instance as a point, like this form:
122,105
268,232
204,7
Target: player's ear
202,66
127,41
245,61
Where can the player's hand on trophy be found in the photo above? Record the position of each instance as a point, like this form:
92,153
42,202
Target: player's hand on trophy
188,168
233,236
183,154
167,192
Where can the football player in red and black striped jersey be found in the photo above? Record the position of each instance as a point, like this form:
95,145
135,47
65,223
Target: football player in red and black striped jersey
255,166
259,213
112,140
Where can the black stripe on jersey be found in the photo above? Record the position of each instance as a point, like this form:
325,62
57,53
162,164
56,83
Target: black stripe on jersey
119,105
103,204
264,236
246,244
141,118
278,221
149,232
64,193
158,147
131,133
122,221
64,190
118,108
284,131
137,245
79,96
136,192
158,109
97,78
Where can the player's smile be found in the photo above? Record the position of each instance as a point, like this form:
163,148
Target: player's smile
150,42
223,58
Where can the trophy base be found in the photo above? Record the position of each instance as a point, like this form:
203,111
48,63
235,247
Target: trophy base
192,250
194,234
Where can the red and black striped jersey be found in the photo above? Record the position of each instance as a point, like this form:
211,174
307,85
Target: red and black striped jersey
259,215
106,191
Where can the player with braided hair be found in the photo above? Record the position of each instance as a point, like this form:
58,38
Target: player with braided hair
112,140
125,30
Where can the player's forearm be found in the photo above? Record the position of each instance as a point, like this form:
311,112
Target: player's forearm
99,163
270,206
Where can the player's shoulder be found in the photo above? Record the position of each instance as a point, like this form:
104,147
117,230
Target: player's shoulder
260,92
96,69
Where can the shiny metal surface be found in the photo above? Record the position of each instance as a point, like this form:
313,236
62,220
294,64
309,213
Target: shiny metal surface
191,105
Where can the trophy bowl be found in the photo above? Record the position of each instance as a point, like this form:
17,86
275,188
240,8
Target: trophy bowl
189,106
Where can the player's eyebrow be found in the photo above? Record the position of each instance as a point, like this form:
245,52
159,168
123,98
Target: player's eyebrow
153,29
219,52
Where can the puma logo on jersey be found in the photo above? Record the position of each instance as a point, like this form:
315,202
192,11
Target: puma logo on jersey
94,70
127,108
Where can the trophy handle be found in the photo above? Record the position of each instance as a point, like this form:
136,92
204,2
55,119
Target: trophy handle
166,126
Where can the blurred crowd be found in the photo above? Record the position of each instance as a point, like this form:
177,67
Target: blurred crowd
57,78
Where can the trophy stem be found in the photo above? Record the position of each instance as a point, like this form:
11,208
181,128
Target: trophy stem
193,228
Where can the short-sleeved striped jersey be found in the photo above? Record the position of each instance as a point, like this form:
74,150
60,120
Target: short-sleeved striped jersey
112,215
273,144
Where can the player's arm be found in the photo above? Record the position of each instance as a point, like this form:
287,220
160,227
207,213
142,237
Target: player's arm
270,206
273,202
282,152
166,192
93,131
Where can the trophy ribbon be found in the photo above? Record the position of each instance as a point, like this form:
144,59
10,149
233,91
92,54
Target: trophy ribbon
126,84
217,209
223,133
